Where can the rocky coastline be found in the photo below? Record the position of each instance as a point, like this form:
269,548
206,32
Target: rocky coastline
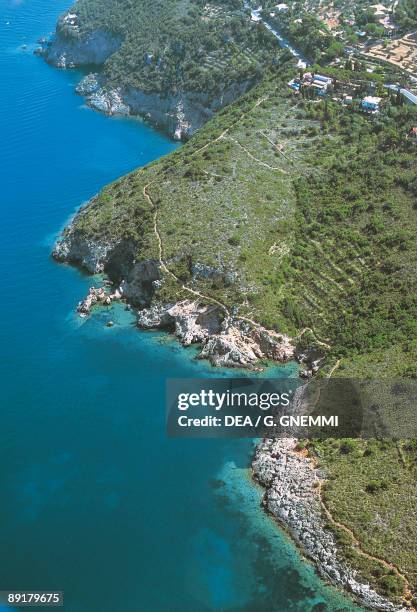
291,483
225,339
290,479
179,113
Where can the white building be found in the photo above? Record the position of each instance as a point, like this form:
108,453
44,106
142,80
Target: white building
371,104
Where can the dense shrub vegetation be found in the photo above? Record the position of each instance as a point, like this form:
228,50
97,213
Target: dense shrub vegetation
372,489
406,14
179,44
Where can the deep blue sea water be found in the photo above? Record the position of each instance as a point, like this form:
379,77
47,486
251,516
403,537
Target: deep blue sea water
95,500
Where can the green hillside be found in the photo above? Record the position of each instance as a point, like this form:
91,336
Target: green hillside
370,492
177,44
307,212
308,205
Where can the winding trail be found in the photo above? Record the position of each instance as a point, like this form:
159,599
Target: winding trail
334,368
162,264
157,233
159,240
401,454
258,161
407,596
320,342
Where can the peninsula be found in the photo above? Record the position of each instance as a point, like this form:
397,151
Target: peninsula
283,228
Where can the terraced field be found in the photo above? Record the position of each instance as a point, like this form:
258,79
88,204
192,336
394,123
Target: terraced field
305,208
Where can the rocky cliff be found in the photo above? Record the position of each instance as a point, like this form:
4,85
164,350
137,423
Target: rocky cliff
70,47
226,340
178,112
182,113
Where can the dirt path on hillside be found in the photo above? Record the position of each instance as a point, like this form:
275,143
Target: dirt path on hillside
358,544
320,342
157,233
255,159
158,236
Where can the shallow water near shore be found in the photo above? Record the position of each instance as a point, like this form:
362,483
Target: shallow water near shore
95,500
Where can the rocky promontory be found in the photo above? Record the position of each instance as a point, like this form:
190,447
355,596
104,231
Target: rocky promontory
70,47
225,339
176,111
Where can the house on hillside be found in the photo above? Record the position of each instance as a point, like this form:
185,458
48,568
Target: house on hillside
294,84
322,79
370,104
316,83
409,97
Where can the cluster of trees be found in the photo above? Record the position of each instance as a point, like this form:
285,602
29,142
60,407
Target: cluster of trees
406,14
309,35
368,21
171,44
361,198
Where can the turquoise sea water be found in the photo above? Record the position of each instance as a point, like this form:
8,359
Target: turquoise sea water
95,501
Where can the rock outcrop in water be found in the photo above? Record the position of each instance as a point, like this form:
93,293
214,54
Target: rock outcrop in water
226,340
292,497
97,296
